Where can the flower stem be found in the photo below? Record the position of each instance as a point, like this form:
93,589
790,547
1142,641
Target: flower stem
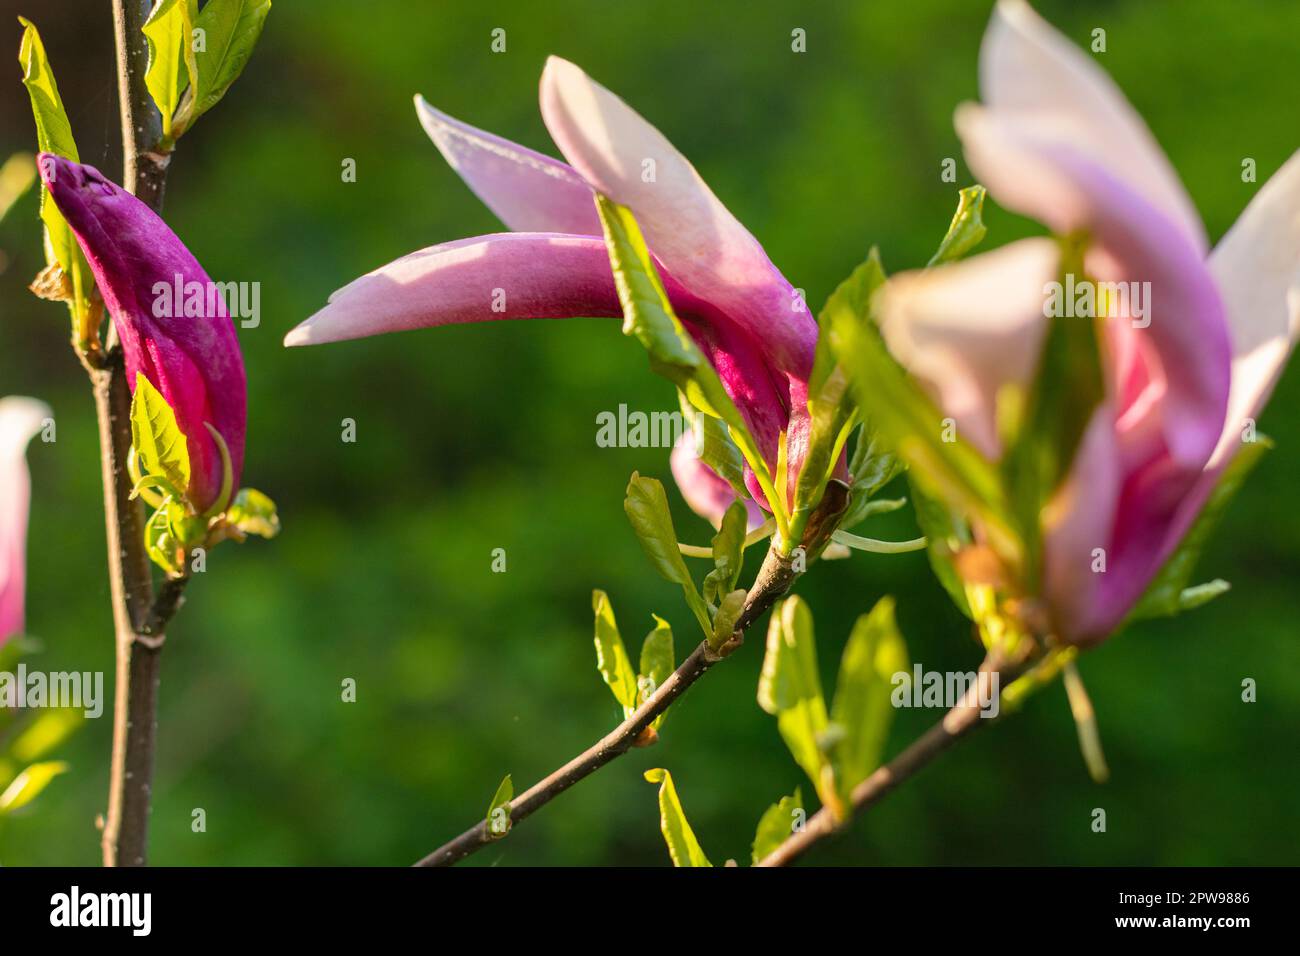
126,828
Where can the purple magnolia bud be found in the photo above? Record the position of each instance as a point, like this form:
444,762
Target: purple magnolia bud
170,317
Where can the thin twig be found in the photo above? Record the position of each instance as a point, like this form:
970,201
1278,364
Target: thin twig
959,721
772,581
126,828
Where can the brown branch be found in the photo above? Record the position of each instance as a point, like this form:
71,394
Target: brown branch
773,580
126,829
958,722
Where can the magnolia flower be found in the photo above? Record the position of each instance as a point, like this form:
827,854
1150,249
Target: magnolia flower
1185,369
743,314
20,420
169,316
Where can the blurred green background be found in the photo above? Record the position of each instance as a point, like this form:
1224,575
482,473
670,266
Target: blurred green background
475,438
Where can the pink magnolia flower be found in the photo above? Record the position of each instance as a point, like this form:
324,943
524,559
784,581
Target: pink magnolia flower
1056,140
171,321
20,420
744,315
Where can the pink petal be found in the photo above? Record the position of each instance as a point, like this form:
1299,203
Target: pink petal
708,494
20,420
1031,72
1257,266
967,330
525,275
535,276
528,191
689,230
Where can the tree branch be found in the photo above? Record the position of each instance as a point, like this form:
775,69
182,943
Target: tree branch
126,829
773,580
961,720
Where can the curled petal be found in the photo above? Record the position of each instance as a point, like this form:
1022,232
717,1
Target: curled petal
170,317
528,191
20,420
1030,71
689,230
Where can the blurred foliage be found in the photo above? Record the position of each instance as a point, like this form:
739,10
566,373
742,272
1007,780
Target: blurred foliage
470,439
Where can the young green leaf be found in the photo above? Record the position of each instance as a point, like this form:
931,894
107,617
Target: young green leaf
54,135
27,786
945,535
156,436
657,663
714,447
649,316
872,466
647,510
1168,594
169,32
611,656
45,733
159,543
862,707
253,512
776,825
967,229
683,848
228,30
728,552
724,622
789,687
1066,388
831,407
498,820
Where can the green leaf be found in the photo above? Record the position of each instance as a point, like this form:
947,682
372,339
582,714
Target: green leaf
658,661
159,541
647,510
253,512
1168,594
649,317
1067,387
862,708
498,820
776,825
872,466
169,32
728,552
611,656
157,438
724,622
683,848
54,135
967,228
27,786
908,422
45,733
831,407
714,447
945,535
231,29
789,687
